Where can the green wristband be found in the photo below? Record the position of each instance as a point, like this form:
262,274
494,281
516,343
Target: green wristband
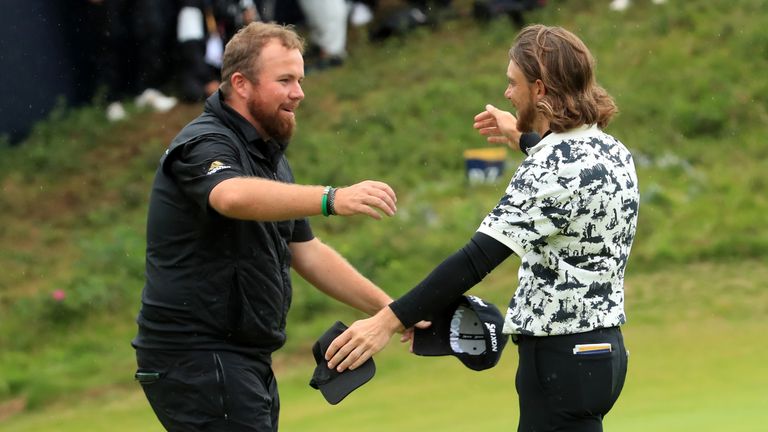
324,206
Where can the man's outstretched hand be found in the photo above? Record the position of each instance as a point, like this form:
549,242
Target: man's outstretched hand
366,197
499,127
364,338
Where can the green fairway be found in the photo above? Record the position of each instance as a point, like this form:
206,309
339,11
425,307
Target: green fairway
705,376
690,377
699,369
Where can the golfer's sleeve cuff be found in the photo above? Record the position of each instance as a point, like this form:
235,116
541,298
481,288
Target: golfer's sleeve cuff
503,239
402,316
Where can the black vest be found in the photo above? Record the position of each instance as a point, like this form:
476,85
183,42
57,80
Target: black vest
214,282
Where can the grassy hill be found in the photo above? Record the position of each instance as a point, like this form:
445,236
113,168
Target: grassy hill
687,77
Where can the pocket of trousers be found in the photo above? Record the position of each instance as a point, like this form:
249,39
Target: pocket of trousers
575,384
189,389
596,381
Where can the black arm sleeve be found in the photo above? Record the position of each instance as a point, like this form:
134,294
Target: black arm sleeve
451,279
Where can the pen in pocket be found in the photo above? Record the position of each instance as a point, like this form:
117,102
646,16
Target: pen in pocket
595,348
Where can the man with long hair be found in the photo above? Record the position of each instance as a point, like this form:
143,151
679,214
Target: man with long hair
570,214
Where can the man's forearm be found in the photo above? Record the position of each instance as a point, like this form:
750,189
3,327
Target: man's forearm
329,272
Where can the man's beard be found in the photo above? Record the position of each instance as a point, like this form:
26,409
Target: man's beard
526,117
276,126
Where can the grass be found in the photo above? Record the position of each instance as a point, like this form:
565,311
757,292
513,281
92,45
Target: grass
668,389
679,380
692,368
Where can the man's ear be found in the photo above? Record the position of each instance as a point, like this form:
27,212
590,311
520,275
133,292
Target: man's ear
240,85
539,89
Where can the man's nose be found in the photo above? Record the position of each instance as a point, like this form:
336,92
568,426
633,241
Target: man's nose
297,92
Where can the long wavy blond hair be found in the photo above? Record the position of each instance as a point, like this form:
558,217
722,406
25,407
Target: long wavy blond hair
566,67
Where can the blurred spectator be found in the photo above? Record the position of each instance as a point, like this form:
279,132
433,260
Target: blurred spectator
412,14
114,51
203,28
154,39
327,22
131,45
198,39
621,5
396,21
232,15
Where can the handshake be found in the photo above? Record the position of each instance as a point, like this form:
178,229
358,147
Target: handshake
469,330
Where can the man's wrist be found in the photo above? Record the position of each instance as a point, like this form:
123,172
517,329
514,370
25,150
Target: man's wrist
390,320
332,201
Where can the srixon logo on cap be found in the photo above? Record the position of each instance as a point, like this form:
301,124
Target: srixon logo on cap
492,331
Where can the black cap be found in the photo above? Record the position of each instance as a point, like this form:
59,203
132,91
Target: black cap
333,385
470,330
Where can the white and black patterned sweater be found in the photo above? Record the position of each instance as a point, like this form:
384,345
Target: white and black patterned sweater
570,213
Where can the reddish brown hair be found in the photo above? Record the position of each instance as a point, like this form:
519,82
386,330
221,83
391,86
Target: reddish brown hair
564,64
243,50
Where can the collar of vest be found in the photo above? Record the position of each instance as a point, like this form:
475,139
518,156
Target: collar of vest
270,149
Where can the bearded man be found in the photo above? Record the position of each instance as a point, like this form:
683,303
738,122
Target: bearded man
225,225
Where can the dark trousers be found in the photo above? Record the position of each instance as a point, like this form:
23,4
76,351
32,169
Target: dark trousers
562,391
209,391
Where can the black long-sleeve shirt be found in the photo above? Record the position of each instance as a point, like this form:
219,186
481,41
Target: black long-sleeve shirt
451,279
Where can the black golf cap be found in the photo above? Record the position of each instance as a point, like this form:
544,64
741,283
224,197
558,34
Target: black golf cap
470,330
333,385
